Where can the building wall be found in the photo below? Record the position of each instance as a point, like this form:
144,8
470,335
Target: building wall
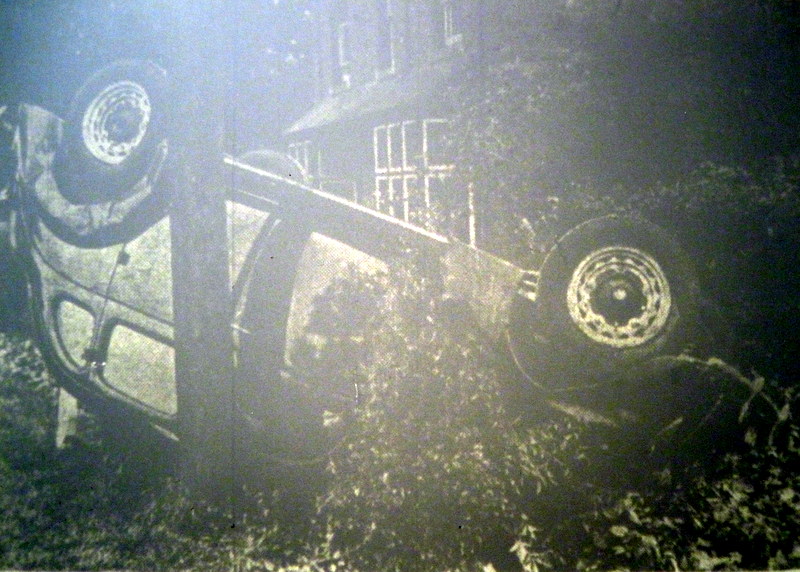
353,35
362,42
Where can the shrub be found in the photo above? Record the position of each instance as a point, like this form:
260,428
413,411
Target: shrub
423,476
742,230
435,443
90,506
447,462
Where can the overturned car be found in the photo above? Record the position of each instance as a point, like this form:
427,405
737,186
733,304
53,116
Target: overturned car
86,245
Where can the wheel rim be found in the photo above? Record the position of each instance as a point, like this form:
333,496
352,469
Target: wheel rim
116,121
619,297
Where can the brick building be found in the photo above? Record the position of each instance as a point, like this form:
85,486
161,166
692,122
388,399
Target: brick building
378,131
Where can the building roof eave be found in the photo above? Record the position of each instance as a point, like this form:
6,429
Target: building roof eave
390,92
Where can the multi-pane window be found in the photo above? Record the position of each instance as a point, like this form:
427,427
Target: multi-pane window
384,46
340,46
411,168
300,152
343,52
452,16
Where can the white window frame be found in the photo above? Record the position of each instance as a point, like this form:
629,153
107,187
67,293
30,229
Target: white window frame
394,136
452,35
426,159
300,151
381,71
385,138
408,165
343,30
343,48
379,137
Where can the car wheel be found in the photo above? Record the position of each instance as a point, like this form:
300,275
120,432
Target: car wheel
112,133
613,291
286,406
278,434
103,186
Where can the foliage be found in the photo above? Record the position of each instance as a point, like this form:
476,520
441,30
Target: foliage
90,506
741,229
421,479
742,514
619,93
668,504
434,445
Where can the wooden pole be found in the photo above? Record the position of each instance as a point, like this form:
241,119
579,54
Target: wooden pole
201,282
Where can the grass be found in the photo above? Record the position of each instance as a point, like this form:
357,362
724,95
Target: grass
91,505
555,493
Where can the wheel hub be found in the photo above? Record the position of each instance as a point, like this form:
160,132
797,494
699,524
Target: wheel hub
116,122
619,297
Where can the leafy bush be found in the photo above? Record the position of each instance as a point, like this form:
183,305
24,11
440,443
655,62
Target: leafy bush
742,514
742,230
425,476
618,94
435,442
446,461
90,506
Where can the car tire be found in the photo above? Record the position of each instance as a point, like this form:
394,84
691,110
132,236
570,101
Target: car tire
612,292
277,428
100,190
112,132
282,407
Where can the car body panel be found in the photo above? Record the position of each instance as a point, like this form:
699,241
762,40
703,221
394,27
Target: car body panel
144,281
322,262
486,283
105,313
